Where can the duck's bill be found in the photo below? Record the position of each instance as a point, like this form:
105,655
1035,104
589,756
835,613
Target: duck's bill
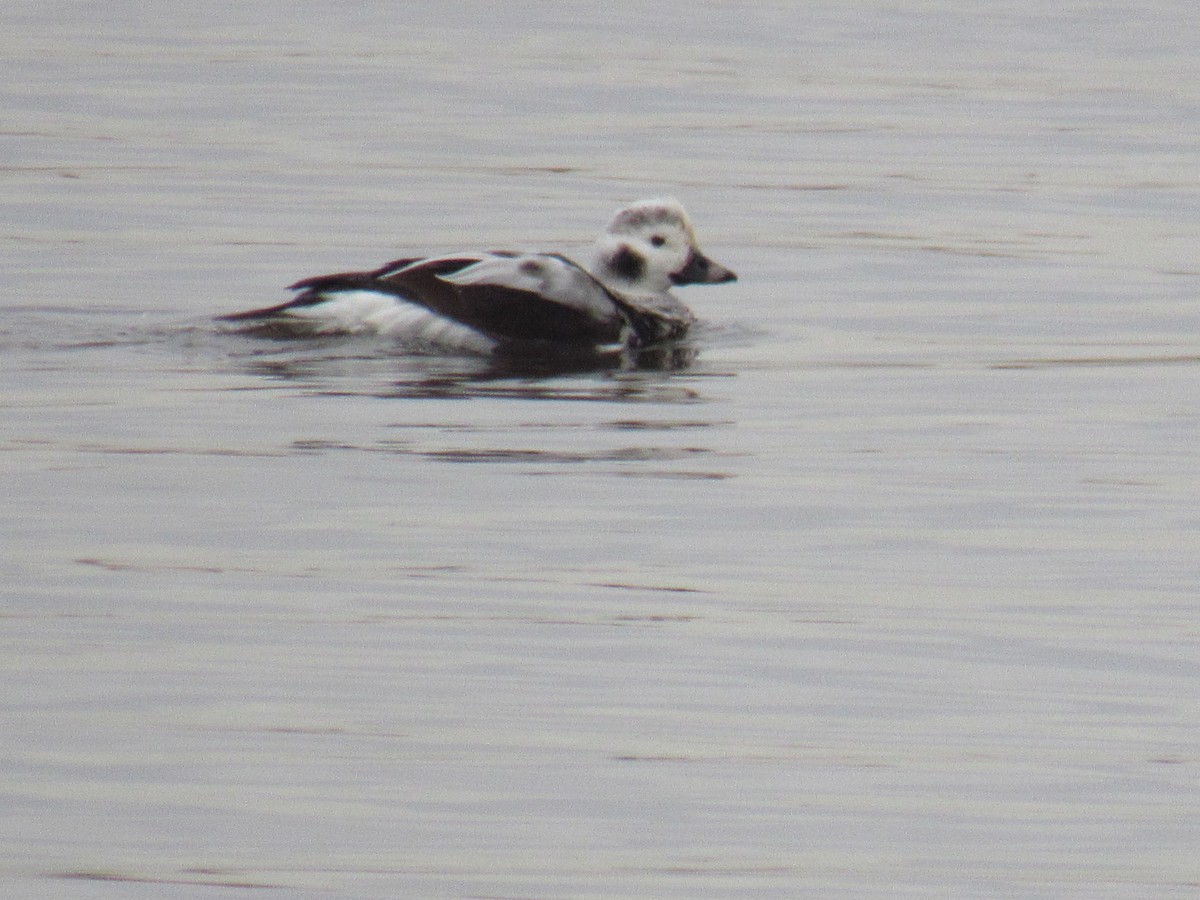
699,269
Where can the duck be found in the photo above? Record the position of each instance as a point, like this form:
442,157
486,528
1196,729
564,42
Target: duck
503,300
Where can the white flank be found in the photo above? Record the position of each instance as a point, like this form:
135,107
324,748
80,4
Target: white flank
370,312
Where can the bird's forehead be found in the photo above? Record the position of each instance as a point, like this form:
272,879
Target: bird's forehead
643,218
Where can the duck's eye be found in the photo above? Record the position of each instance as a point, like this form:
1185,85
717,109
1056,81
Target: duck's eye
657,240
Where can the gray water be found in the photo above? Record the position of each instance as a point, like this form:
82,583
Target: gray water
893,591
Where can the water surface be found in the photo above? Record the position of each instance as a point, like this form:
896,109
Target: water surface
891,590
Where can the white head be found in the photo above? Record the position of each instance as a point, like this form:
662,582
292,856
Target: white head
650,246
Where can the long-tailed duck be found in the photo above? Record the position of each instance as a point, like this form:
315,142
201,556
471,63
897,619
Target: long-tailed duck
487,301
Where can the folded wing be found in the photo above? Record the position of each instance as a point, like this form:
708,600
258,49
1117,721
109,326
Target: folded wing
506,296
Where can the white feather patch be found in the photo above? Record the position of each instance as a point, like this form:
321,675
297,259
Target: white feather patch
371,312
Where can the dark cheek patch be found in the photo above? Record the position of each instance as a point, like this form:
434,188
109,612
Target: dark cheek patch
628,264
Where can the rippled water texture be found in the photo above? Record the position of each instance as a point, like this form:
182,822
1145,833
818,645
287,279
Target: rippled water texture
885,586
